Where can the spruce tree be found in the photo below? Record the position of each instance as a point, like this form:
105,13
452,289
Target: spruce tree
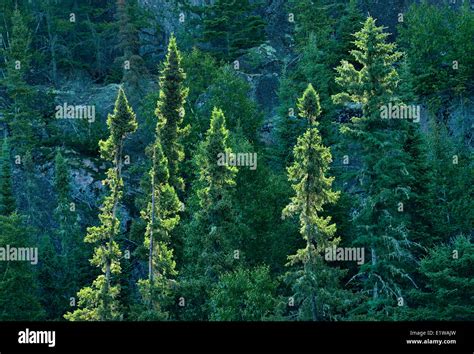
312,187
19,296
450,187
170,110
381,221
244,295
19,112
134,69
448,284
100,301
213,233
161,216
231,28
7,199
321,42
62,251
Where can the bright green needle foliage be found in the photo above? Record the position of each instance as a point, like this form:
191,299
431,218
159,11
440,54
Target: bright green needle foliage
99,302
312,187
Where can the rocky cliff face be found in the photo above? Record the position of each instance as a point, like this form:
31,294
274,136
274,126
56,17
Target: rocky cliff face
261,67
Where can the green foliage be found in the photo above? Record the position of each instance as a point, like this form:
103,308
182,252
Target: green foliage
99,302
7,199
380,224
170,110
161,216
321,42
19,298
312,189
213,234
231,92
244,295
450,185
19,112
230,28
219,249
447,295
438,38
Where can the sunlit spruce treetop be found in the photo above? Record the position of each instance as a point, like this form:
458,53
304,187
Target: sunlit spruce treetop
376,81
120,123
309,106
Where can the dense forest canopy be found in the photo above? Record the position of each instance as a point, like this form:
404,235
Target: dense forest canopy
236,160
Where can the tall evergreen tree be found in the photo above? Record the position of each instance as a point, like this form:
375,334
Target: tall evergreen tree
161,215
99,302
64,267
171,111
450,187
19,113
134,69
7,199
321,42
381,223
212,236
19,297
313,190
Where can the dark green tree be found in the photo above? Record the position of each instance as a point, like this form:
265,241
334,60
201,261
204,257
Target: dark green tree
7,199
19,296
232,27
448,289
19,112
244,295
381,222
170,110
213,233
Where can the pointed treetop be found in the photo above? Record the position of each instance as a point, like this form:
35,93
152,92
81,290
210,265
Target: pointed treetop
123,120
217,120
309,106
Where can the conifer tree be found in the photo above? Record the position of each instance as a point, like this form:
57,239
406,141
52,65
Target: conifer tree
381,223
312,189
448,289
213,234
7,200
450,187
232,27
19,297
99,302
161,216
171,111
67,236
62,252
18,284
244,295
21,118
134,69
321,42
